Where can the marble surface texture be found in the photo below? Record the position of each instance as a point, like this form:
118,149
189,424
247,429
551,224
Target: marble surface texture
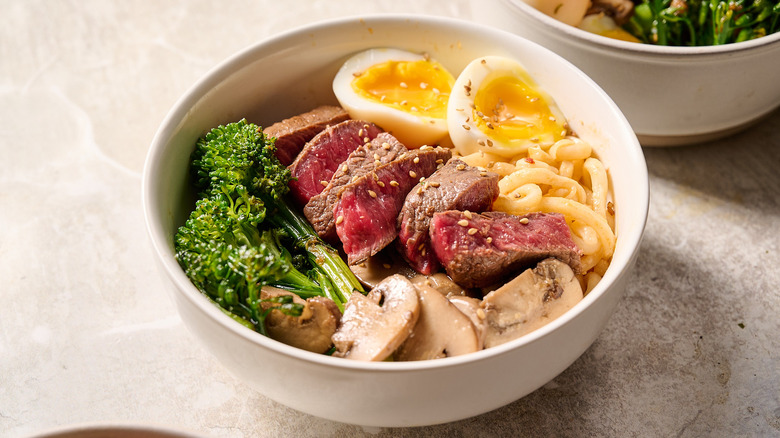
88,334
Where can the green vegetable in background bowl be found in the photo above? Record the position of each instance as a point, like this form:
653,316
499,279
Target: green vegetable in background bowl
703,22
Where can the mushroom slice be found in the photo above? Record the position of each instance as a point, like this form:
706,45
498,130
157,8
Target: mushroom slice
311,331
380,266
529,301
472,308
373,326
441,282
441,331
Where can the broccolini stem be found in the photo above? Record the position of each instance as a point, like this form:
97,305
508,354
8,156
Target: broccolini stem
318,252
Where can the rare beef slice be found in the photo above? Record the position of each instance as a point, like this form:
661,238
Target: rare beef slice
323,154
456,186
367,211
478,250
319,210
293,133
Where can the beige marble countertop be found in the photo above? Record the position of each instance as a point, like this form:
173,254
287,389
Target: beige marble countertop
88,333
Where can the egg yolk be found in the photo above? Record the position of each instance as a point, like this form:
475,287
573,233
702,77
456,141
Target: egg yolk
510,110
419,87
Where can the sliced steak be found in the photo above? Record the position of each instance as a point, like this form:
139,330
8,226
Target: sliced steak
322,156
367,211
293,133
484,249
319,210
456,186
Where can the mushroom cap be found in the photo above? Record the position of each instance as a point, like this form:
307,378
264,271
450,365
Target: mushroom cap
529,301
311,331
375,325
441,331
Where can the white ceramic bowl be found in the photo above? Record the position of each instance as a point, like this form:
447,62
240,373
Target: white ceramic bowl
670,95
292,72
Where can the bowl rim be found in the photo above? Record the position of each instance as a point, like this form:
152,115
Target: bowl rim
631,238
625,47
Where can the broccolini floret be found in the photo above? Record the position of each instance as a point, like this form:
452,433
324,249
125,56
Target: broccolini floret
231,245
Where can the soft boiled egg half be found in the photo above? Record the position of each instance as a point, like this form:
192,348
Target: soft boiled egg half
496,107
404,93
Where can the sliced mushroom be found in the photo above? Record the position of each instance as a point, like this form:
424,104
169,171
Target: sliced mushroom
529,301
380,266
441,331
373,326
472,308
441,282
311,331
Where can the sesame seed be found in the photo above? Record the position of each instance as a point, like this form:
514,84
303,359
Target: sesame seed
523,220
360,132
376,177
420,247
416,160
394,183
376,156
386,265
467,214
339,219
324,183
472,231
372,193
413,174
386,146
481,314
439,166
466,127
377,162
434,184
460,166
422,253
489,239
344,168
355,178
366,140
439,161
380,183
463,223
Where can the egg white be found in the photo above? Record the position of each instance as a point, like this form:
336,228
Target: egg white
488,134
413,130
